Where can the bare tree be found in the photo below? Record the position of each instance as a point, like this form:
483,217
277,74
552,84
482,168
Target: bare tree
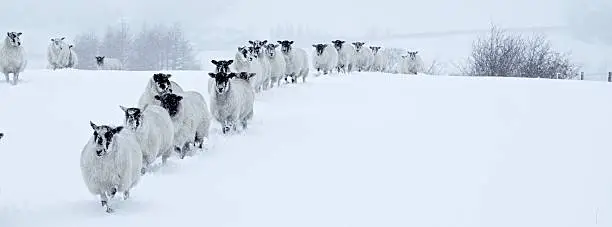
86,48
513,55
153,48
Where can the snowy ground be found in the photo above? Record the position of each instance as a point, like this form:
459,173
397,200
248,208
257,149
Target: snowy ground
363,150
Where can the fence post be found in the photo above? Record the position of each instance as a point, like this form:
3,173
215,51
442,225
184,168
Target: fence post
609,76
581,75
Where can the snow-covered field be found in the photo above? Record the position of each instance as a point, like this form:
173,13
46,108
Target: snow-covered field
368,149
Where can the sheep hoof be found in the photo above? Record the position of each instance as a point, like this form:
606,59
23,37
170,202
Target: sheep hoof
126,195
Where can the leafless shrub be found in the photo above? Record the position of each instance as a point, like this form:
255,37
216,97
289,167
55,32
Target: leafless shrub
513,55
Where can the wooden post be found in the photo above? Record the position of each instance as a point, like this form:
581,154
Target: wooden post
581,75
609,76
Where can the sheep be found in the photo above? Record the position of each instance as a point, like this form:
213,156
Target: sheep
155,131
377,63
111,162
220,66
256,67
411,63
232,102
190,117
12,59
324,59
277,64
241,61
363,57
296,60
259,54
105,63
345,56
58,53
158,84
73,60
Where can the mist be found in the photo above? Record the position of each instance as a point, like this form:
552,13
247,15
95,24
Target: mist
209,23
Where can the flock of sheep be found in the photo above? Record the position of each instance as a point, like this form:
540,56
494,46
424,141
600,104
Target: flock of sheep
171,120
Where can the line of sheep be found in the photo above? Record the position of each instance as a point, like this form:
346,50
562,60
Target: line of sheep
171,120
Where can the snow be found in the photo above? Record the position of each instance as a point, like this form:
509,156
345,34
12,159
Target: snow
369,149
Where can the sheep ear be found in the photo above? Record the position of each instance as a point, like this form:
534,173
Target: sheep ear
1,135
117,129
264,42
251,42
70,46
93,126
229,62
8,34
212,75
157,97
279,42
314,45
179,98
52,40
63,38
251,75
214,62
167,75
416,52
123,108
231,75
291,42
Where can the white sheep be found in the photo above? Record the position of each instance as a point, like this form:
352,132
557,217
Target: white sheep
241,61
345,56
155,131
232,101
296,60
256,67
12,59
277,64
157,85
259,53
73,59
377,63
363,57
412,63
324,58
190,117
104,63
111,162
58,53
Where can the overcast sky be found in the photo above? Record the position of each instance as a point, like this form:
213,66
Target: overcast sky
346,16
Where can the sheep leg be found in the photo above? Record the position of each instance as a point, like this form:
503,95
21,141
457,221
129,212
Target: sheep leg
16,78
104,202
6,75
165,157
126,194
199,140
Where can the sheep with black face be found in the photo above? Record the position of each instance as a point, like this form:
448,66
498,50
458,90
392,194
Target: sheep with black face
296,61
159,83
277,64
190,117
346,54
324,58
111,162
232,101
